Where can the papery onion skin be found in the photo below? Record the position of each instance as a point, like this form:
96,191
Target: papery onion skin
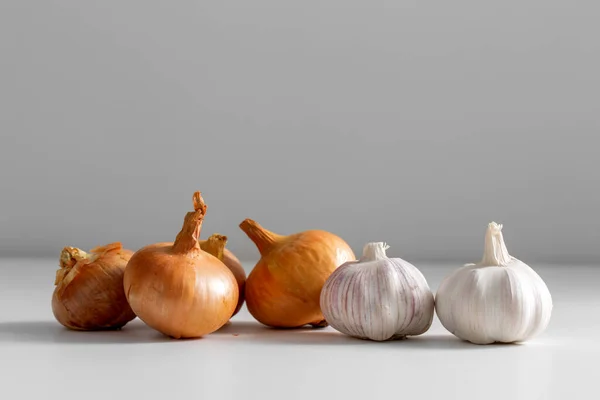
179,289
235,266
283,289
89,291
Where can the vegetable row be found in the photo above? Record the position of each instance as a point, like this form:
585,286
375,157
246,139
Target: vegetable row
192,287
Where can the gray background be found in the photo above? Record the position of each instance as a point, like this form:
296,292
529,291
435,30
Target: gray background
411,122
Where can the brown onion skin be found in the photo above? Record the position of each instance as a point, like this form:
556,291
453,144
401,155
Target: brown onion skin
89,293
179,289
235,266
283,290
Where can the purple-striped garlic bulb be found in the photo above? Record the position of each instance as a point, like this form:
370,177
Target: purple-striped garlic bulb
377,297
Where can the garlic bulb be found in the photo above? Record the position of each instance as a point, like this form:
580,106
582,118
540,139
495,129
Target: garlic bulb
499,299
377,297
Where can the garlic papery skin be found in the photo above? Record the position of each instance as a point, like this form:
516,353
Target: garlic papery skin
377,297
498,300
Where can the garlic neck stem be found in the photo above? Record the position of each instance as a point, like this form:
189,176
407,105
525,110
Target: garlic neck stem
262,238
374,251
495,252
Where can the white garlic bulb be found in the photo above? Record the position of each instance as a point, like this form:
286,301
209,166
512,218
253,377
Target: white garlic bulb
377,297
498,300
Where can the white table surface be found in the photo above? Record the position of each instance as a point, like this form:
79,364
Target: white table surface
39,359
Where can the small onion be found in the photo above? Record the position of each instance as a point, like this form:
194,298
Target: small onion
284,287
89,291
234,265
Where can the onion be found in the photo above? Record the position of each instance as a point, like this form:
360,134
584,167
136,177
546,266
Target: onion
178,288
234,265
89,291
283,290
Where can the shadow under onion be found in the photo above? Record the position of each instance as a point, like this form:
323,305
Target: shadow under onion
44,332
